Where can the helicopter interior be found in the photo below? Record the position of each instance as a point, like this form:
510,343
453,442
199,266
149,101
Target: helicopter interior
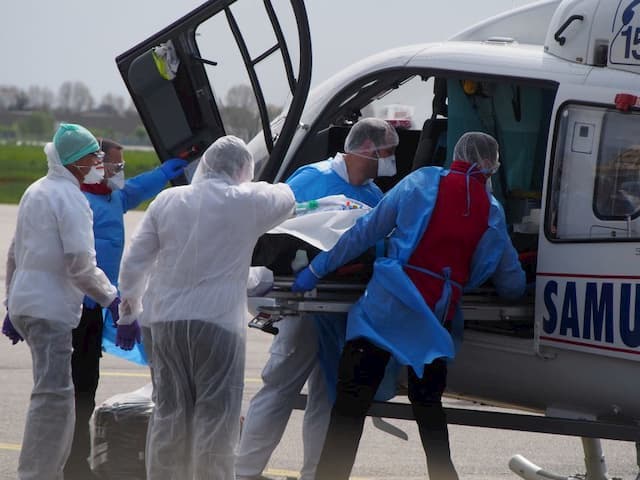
516,112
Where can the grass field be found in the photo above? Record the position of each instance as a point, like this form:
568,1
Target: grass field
21,165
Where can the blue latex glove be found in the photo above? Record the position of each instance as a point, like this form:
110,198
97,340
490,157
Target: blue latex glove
113,308
173,167
9,331
89,303
305,280
128,335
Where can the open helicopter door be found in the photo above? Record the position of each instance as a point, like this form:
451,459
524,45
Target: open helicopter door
177,76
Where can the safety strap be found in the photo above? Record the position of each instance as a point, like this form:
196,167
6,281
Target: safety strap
443,303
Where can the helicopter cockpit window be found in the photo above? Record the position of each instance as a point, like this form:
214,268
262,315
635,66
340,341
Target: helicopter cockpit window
405,103
595,192
359,92
406,106
403,99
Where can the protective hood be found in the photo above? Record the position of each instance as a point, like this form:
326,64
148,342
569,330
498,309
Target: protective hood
54,164
228,160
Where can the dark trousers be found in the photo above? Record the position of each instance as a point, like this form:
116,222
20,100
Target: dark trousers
361,370
85,370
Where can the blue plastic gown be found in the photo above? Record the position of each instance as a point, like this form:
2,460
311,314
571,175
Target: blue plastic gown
309,183
108,230
392,313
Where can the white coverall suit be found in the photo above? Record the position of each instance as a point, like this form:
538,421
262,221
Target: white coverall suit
193,252
50,268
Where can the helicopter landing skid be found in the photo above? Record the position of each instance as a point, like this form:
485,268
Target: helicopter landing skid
595,464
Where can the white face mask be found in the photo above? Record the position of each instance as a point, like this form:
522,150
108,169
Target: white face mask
95,175
387,166
494,170
116,182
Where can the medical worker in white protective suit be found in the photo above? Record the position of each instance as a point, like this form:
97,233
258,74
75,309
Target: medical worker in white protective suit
193,252
50,268
307,348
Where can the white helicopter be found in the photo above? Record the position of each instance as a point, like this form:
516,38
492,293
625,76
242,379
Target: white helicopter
557,83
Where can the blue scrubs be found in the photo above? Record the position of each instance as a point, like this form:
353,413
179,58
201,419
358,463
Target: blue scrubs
108,230
315,181
319,180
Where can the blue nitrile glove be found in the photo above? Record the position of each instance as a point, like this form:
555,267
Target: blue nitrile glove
173,167
113,308
89,303
305,280
9,331
128,335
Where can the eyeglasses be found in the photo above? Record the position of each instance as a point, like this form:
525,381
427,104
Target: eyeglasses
115,167
99,154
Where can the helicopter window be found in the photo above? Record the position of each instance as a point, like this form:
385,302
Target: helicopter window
358,93
595,185
234,94
406,106
617,186
389,95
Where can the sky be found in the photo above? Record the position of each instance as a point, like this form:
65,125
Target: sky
47,43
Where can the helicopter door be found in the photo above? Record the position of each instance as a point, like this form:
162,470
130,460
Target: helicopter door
177,78
588,283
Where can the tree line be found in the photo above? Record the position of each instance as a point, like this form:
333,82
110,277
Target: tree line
73,97
30,114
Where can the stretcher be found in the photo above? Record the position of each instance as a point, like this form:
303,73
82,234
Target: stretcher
479,306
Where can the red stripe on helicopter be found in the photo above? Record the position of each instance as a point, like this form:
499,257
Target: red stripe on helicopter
590,345
586,275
